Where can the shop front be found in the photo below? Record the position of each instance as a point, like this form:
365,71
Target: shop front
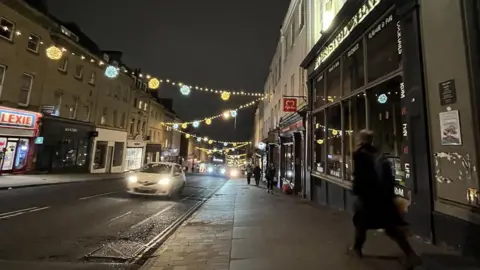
109,151
170,155
273,154
153,152
134,156
292,133
66,145
357,81
18,132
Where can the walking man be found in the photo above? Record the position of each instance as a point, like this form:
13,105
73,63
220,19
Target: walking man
270,176
375,208
249,173
257,174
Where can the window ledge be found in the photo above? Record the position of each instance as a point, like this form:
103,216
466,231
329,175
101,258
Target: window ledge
334,180
32,52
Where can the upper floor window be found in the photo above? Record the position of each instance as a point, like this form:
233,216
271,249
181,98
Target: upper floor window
301,15
145,106
122,120
103,119
25,89
63,64
93,75
140,104
114,118
33,43
79,71
3,70
6,28
57,102
72,111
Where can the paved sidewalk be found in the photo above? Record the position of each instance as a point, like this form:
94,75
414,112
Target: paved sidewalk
243,228
28,180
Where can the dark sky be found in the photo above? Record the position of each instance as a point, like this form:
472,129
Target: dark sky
223,44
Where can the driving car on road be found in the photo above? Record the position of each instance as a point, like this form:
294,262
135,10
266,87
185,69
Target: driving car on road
157,178
216,170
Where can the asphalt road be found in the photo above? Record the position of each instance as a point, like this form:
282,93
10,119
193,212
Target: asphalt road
90,225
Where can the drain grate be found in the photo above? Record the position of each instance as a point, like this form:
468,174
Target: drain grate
121,251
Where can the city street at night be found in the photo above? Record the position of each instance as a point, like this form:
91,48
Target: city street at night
79,225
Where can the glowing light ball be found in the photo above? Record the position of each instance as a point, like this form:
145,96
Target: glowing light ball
184,125
199,139
225,144
208,121
153,83
54,53
187,136
225,95
382,99
111,72
185,90
210,142
234,144
195,124
205,139
233,113
175,126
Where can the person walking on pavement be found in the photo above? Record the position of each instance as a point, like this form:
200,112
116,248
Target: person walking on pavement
373,185
257,174
270,176
249,173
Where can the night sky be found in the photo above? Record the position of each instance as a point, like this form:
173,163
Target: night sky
212,43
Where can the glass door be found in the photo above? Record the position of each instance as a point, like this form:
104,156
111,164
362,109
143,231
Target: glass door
9,156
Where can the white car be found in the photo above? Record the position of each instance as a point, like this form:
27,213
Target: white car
157,179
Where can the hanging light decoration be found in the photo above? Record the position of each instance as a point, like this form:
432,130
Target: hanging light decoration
196,124
226,115
54,53
175,126
205,139
234,144
111,72
210,141
187,135
208,121
225,144
225,95
184,125
153,83
185,90
233,113
199,139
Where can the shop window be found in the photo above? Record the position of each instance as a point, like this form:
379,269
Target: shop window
82,153
382,49
100,155
319,143
21,155
354,119
118,154
289,162
385,116
333,90
69,153
320,91
353,68
334,140
25,89
133,159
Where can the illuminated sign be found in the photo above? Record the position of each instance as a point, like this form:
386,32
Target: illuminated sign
343,34
289,104
19,119
217,159
382,99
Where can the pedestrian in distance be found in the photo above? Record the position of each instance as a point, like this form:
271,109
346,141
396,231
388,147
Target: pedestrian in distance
270,176
249,173
373,186
257,174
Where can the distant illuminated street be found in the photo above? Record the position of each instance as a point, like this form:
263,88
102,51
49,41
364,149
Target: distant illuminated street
55,226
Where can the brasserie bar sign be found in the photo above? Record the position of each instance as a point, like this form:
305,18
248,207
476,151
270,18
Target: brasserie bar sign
343,34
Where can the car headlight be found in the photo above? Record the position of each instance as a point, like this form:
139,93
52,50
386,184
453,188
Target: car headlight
210,169
234,173
132,179
164,181
223,171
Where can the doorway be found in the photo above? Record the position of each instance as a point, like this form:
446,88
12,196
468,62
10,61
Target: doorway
108,163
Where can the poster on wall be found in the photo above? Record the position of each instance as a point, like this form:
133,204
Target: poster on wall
450,128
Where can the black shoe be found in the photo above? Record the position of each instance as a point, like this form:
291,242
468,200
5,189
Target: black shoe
356,253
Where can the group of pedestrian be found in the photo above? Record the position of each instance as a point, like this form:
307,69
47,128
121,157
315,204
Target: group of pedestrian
256,172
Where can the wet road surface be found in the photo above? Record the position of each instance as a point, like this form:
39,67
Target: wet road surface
91,225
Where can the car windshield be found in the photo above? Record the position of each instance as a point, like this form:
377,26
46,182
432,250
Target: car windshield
157,168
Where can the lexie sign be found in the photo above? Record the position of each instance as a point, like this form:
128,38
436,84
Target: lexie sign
17,119
289,104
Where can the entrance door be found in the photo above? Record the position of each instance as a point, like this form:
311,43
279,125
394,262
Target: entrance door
108,162
9,156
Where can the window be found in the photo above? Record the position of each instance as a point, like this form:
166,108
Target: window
100,155
25,89
139,125
3,70
291,35
319,91
353,69
72,111
114,118
140,104
63,64
33,43
6,28
145,106
334,141
334,90
285,90
132,126
144,128
79,71
86,113
92,78
382,49
302,83
354,119
301,15
292,85
319,143
118,154
122,120
103,119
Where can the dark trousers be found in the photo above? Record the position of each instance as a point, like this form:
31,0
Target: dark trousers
257,179
270,183
249,177
396,234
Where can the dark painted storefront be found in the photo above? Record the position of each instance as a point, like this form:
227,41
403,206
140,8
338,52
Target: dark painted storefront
365,72
67,145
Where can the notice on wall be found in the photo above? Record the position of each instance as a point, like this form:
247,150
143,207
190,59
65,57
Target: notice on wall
450,128
448,92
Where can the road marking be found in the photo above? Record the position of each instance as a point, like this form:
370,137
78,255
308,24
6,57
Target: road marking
21,212
98,195
123,215
157,214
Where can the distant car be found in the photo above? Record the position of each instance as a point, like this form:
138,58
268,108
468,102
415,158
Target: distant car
157,179
216,170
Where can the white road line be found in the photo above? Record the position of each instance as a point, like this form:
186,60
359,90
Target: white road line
17,211
24,212
150,217
123,215
98,195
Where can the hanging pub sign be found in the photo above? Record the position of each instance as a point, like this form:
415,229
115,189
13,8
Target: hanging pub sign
289,104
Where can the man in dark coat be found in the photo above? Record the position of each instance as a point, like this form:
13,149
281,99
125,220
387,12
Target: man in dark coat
257,174
375,208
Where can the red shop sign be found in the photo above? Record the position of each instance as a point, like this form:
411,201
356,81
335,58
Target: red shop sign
289,104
